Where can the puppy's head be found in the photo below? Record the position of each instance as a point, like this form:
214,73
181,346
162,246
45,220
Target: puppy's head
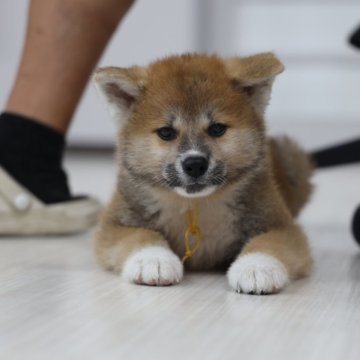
192,123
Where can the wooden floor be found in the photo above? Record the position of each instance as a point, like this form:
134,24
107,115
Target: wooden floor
55,303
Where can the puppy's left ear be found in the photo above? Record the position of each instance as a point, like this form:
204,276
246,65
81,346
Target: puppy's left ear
121,89
255,75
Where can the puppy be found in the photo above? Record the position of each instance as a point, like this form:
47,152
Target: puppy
192,136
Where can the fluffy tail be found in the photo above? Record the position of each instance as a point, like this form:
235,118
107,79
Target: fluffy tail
292,169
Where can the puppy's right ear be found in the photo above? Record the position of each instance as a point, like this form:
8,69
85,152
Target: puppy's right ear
255,75
121,89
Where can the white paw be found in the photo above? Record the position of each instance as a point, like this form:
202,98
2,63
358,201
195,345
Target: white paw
257,273
153,265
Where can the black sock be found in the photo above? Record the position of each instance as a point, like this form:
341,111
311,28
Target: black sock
32,154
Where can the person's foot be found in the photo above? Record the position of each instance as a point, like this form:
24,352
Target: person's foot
31,168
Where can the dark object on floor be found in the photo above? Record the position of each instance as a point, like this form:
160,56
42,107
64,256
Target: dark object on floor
356,225
355,41
355,38
346,153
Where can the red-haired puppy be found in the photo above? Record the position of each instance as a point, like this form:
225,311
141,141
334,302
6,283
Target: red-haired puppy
192,133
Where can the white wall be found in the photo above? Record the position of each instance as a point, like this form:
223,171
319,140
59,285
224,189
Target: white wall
317,98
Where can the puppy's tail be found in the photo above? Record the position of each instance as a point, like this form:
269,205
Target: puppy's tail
292,169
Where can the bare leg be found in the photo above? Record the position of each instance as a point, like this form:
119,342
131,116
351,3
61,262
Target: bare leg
64,41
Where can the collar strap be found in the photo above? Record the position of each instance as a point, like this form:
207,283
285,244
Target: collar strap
192,231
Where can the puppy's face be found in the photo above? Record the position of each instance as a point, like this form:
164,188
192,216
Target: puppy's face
190,124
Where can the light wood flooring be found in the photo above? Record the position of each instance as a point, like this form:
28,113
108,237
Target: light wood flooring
56,303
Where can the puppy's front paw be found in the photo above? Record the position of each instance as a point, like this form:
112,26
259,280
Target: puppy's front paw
257,273
153,265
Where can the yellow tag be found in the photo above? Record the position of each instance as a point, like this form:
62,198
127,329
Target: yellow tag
192,230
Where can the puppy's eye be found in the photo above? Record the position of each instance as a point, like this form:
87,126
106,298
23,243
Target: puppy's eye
217,130
167,133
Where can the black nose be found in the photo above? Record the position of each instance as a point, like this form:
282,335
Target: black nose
195,166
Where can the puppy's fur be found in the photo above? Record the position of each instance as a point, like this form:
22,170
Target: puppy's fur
248,196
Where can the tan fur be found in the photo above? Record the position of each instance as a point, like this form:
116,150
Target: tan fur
267,181
292,170
111,252
289,245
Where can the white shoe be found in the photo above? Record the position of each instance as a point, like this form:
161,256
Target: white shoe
22,213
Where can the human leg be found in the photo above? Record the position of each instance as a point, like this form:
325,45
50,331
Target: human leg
64,41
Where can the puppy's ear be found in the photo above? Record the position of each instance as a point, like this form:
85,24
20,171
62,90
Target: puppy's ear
255,75
121,89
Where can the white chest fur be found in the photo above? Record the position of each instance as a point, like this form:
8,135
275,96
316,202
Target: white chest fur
216,223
